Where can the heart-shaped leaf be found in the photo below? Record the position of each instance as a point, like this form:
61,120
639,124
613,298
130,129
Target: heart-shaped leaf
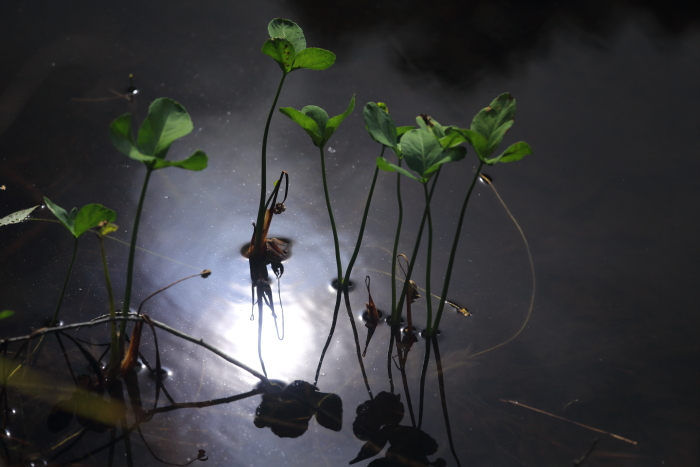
335,122
421,150
314,59
494,121
515,152
381,126
196,162
166,121
314,120
387,166
289,30
91,216
78,222
281,51
305,122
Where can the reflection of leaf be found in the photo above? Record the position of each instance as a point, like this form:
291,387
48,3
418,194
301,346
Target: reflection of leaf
287,411
384,409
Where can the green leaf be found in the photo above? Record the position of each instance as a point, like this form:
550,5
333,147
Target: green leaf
335,122
196,162
166,121
450,155
122,138
17,217
452,138
289,30
402,130
6,314
380,125
66,218
478,142
306,122
282,51
91,216
314,59
318,115
494,121
421,150
515,152
387,166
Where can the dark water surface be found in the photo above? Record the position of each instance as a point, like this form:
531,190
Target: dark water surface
607,97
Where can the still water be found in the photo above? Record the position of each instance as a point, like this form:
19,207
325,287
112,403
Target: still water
606,98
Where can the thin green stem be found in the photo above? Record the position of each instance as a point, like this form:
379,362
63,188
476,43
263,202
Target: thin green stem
114,342
132,250
362,226
396,314
453,252
263,167
428,301
65,284
396,241
330,214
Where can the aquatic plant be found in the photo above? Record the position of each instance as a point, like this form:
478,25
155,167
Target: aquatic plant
166,122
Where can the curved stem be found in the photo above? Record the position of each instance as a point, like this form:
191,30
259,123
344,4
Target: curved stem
453,252
396,314
65,284
330,334
362,226
263,167
443,400
428,297
357,341
330,214
132,250
396,241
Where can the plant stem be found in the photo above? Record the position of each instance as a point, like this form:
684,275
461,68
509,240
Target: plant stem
396,314
453,252
114,341
330,214
65,284
396,241
263,167
428,297
132,250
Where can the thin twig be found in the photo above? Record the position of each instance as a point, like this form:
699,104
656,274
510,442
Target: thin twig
571,421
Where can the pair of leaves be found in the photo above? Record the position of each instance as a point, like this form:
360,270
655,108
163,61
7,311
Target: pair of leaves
315,122
78,222
489,127
381,126
287,46
425,149
166,121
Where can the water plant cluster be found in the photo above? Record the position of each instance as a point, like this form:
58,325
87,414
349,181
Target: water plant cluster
419,153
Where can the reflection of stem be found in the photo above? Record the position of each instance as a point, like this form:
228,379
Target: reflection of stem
263,167
132,249
357,340
260,323
421,394
388,360
428,298
396,241
403,354
330,214
65,284
330,333
114,341
453,252
396,314
443,398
